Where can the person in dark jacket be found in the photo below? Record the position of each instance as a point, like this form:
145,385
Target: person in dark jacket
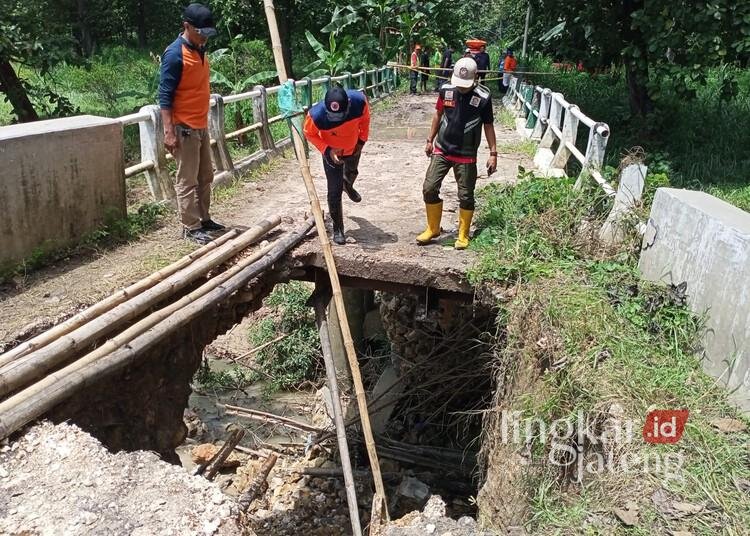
339,126
446,64
424,61
184,98
483,62
462,111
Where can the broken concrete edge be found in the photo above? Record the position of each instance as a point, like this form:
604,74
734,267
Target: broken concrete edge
703,241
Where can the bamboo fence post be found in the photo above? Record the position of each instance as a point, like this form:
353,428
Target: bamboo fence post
111,301
34,365
338,417
29,404
331,268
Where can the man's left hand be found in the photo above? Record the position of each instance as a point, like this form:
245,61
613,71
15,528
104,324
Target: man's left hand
491,165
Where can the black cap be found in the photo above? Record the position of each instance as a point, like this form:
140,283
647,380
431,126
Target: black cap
200,16
337,103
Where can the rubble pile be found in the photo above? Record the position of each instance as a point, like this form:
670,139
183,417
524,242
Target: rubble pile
57,479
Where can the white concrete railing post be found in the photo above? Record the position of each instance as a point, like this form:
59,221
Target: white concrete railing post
219,149
260,115
595,150
520,100
363,80
569,136
544,155
627,198
153,150
544,107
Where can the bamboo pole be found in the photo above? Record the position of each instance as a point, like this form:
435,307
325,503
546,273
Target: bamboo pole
255,488
140,327
30,367
108,303
338,416
25,406
226,449
325,245
271,418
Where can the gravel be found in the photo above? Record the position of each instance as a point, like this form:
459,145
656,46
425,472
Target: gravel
56,479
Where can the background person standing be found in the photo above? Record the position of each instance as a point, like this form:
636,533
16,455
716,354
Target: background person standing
424,61
184,97
414,72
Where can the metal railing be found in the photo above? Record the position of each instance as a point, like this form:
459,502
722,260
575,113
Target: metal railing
545,116
375,83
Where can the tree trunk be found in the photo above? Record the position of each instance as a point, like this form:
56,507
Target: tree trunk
636,68
16,93
85,39
141,22
636,78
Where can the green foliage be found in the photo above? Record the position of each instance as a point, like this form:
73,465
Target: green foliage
296,358
335,59
138,222
598,335
528,229
241,65
223,380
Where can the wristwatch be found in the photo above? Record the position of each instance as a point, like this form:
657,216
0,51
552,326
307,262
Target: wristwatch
493,153
428,140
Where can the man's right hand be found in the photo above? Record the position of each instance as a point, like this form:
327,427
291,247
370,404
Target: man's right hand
170,140
336,155
428,148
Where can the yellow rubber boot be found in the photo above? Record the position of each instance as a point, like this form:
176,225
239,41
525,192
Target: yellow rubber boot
464,224
434,215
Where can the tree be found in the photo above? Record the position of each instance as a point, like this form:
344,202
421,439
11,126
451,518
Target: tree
678,40
27,39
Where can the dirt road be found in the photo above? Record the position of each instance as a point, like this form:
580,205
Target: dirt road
382,226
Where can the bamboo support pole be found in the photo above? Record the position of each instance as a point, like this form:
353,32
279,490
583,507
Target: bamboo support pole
270,418
338,416
25,406
325,245
108,303
33,366
140,327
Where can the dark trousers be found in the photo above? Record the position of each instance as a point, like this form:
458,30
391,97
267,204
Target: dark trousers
413,77
336,174
466,179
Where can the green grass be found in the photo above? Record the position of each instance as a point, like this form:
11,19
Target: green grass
526,147
597,336
698,140
506,117
296,358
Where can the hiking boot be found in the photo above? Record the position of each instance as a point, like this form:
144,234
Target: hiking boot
197,235
210,225
337,216
351,192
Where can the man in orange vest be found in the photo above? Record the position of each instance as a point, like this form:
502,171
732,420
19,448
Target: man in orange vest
184,97
339,127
